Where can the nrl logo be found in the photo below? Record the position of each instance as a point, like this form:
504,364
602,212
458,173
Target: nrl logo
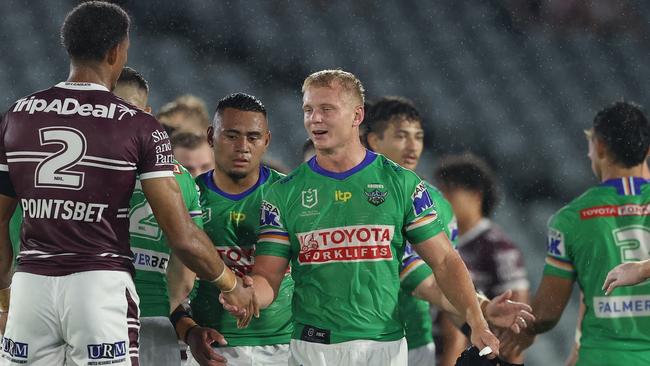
310,198
376,194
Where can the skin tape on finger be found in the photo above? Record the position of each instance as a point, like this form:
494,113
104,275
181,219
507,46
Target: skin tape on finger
485,351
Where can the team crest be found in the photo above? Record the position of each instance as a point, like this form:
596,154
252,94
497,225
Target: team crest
376,194
310,198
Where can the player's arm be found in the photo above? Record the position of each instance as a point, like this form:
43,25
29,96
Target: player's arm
7,207
198,338
453,340
267,275
627,274
180,281
549,302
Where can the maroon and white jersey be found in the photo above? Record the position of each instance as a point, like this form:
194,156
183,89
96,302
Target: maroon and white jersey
72,153
494,262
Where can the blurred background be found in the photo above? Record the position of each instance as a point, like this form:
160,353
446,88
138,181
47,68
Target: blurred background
514,81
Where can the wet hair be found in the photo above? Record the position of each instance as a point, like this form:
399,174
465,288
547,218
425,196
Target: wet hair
131,76
624,129
347,80
92,28
187,140
241,101
469,172
382,112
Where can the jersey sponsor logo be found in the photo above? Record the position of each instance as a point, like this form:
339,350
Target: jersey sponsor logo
270,215
555,245
356,243
106,351
615,211
71,106
309,198
15,349
240,260
237,217
622,306
375,193
421,199
62,209
342,196
177,168
150,260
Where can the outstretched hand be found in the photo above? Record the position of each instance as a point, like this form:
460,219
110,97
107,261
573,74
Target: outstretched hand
504,313
626,274
514,344
241,302
200,341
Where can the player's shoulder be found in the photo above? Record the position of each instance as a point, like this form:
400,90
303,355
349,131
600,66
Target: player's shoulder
567,216
273,175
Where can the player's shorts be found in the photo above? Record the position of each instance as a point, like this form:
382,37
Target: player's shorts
271,355
86,318
603,357
423,355
158,343
361,352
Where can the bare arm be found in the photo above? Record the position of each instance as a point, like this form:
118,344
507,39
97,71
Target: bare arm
454,341
268,273
549,302
180,281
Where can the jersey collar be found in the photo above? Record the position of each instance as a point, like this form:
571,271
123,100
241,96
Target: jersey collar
367,160
626,186
81,86
209,182
482,226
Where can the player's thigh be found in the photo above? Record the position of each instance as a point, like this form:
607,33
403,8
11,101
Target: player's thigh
158,342
602,357
32,335
393,353
100,322
271,355
423,355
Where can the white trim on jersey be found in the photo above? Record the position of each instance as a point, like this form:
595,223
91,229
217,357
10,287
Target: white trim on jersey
81,86
4,168
160,174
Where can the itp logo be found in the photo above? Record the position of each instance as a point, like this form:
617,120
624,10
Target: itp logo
106,350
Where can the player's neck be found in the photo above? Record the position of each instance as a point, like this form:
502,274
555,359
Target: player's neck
613,171
232,185
89,73
341,159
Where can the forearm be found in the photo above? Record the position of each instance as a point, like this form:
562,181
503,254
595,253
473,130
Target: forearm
645,268
264,291
180,281
193,247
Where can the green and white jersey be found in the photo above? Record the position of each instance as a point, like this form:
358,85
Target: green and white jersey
415,312
231,221
607,225
149,246
344,235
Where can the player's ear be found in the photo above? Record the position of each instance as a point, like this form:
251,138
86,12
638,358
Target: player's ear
268,139
599,147
358,116
211,136
147,109
112,55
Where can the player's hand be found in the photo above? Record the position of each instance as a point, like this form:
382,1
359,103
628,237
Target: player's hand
625,274
241,302
514,344
200,340
504,313
482,337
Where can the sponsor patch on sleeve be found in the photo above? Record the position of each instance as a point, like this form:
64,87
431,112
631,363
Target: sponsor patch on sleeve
270,215
421,199
555,245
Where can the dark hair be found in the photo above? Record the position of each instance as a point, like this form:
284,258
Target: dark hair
92,28
187,140
380,113
624,129
131,76
241,101
470,172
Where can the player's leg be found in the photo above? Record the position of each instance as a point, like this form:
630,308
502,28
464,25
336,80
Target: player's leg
393,353
101,322
158,343
33,334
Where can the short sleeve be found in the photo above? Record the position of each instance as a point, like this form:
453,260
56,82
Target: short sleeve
272,238
6,187
190,192
156,157
558,259
421,221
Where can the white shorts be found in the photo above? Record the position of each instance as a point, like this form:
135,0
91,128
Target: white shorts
272,355
158,342
423,355
86,318
360,352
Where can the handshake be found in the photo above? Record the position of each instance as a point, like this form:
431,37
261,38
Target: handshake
241,301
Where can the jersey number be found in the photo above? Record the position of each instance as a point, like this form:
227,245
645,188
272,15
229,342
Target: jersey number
634,242
142,222
54,171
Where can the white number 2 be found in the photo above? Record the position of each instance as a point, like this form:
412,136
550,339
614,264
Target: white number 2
634,242
54,171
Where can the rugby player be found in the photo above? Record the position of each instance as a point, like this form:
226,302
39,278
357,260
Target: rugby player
604,227
341,220
231,196
193,152
158,273
70,155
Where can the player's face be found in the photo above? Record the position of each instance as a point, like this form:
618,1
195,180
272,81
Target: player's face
330,116
197,161
239,141
464,202
402,142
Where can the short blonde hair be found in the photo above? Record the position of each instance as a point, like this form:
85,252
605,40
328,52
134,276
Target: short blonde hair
347,80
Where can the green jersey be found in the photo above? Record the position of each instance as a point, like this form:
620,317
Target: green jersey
607,225
415,312
344,236
231,221
149,246
15,225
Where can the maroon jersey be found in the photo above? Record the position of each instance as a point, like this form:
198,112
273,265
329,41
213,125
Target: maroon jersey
494,262
72,153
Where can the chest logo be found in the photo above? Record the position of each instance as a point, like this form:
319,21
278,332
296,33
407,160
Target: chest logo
310,198
376,194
